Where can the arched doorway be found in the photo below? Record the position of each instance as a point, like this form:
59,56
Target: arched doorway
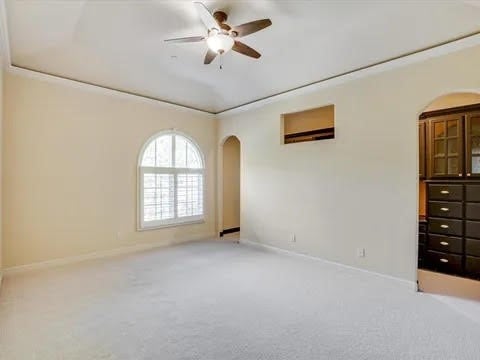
230,220
449,196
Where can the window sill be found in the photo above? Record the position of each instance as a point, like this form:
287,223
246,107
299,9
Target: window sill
158,227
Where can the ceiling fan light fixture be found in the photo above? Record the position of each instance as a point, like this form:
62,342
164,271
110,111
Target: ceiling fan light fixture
220,43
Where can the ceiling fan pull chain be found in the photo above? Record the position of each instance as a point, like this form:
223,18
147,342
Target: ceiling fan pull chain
221,61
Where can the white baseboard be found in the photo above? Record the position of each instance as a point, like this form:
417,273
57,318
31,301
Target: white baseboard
412,285
101,254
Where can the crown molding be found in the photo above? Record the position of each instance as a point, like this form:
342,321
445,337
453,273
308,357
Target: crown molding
41,75
439,49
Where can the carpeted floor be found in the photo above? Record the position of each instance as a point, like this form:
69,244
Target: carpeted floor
225,301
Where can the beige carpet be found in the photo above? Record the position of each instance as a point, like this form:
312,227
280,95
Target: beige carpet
219,300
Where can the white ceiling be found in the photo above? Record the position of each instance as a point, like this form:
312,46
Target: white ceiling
119,44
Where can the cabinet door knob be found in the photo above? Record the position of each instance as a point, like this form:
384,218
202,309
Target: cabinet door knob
444,192
444,209
468,174
444,226
460,174
444,243
444,260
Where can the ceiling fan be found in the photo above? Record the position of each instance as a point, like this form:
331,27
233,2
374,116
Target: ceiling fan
221,37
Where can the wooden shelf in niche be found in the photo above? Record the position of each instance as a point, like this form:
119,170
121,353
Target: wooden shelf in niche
309,125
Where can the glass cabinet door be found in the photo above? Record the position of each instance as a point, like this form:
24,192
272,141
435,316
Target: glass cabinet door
472,137
445,147
421,149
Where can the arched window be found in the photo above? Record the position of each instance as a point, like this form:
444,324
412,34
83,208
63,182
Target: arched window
171,181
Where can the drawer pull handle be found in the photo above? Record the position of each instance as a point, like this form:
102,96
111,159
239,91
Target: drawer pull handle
444,260
443,226
445,192
444,209
444,243
469,174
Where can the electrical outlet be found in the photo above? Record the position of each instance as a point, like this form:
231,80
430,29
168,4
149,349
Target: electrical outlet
294,238
361,252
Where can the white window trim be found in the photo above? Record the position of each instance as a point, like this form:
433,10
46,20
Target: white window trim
142,170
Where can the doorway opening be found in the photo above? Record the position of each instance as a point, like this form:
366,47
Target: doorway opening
231,187
449,196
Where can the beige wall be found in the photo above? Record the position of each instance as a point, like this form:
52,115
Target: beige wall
70,180
359,190
69,165
1,157
231,183
453,100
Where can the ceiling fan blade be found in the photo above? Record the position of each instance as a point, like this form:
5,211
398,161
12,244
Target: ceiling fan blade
251,27
245,50
209,57
206,17
186,39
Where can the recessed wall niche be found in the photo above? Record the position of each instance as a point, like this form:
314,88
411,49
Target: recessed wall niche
309,125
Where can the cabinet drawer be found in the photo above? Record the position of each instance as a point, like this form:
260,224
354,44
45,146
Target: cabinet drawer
472,247
472,211
422,238
421,255
472,265
444,262
421,250
472,229
445,192
445,244
422,227
472,192
445,226
445,209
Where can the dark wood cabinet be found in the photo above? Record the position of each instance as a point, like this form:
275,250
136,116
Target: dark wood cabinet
472,229
422,242
448,244
445,226
472,144
449,151
472,247
444,262
422,141
445,147
446,192
472,266
449,143
472,192
472,211
445,209
451,241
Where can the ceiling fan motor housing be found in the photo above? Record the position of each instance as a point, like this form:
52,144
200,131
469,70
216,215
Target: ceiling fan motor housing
220,16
